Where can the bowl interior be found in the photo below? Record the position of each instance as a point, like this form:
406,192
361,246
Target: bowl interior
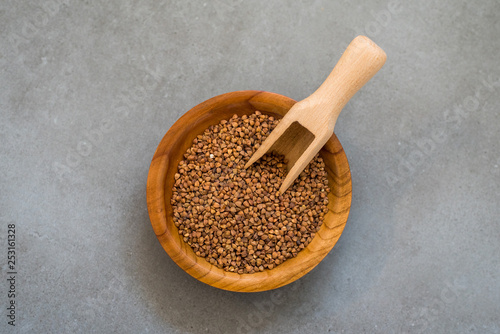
161,177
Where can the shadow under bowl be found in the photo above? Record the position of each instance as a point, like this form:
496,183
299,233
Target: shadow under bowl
161,179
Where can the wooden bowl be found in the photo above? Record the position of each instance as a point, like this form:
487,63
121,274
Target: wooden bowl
161,178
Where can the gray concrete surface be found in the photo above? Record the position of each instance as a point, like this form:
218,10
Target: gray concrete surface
88,89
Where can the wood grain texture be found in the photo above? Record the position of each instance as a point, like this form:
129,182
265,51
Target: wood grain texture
309,124
161,178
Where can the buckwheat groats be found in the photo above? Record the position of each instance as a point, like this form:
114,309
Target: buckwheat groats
235,218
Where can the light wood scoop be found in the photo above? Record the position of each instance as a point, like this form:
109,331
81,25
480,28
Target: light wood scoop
309,124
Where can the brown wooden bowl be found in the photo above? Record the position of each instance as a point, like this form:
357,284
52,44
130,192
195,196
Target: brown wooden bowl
161,179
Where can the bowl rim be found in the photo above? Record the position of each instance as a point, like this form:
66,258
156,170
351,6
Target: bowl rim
285,273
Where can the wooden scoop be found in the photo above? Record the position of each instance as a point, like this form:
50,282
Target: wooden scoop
309,124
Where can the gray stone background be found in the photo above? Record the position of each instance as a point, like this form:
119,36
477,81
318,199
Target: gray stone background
88,89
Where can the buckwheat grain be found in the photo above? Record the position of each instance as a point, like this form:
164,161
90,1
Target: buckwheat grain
235,218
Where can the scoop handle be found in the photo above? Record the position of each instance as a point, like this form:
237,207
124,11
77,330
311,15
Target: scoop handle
358,64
